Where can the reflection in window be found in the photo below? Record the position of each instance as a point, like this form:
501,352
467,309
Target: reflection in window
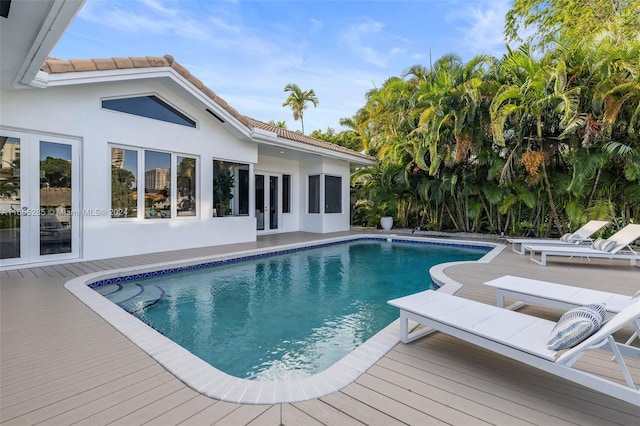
186,186
9,197
124,188
332,194
157,185
286,193
314,194
243,189
55,198
230,189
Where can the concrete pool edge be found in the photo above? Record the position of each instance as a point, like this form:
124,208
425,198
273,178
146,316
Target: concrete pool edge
209,381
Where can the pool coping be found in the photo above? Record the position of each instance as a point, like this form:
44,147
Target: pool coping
209,381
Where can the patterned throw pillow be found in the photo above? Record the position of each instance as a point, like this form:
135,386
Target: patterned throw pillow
576,325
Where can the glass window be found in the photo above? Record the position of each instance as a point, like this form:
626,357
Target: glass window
55,198
314,194
149,107
186,186
243,189
124,187
273,202
286,193
9,197
260,202
230,189
332,194
163,192
157,185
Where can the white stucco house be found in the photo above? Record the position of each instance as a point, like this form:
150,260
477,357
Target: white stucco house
121,156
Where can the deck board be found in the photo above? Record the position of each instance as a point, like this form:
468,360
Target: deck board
211,414
425,403
62,364
324,413
365,412
433,393
183,412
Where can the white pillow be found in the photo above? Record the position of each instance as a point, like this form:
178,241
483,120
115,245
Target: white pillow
596,243
566,237
575,326
603,245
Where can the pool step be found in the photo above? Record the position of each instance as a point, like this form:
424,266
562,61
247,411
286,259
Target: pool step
131,297
126,292
108,289
146,296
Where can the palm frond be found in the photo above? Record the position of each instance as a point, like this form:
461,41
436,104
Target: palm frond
584,169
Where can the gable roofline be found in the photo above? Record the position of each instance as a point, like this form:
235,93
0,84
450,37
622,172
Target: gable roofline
58,66
260,131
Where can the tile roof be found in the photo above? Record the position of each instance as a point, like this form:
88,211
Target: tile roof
57,66
299,137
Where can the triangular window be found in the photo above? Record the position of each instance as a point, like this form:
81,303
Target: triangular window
150,107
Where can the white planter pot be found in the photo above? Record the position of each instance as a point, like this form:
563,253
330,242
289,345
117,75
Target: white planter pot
386,222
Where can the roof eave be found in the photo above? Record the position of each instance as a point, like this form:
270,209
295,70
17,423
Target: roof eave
270,138
56,22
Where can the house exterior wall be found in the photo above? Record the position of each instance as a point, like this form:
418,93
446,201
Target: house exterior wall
75,111
324,222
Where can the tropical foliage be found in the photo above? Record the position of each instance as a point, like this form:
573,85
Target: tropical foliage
534,143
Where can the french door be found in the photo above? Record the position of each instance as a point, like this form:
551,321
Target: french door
267,206
39,198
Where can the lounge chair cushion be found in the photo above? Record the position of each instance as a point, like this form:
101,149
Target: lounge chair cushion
575,326
566,237
603,245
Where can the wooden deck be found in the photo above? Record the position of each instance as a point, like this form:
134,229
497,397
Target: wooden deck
61,364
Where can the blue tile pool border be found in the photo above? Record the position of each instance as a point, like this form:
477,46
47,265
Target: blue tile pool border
240,258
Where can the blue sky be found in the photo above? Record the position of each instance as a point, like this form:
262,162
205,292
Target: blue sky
247,51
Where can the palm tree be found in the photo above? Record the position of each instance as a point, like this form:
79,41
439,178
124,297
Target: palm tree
537,97
280,124
298,100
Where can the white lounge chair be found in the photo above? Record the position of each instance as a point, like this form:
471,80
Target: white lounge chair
520,337
620,241
555,295
558,296
581,235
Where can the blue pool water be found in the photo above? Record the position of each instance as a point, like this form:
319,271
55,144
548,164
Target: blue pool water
285,316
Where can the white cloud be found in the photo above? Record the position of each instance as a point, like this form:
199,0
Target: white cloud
223,25
158,7
355,35
481,25
153,17
316,25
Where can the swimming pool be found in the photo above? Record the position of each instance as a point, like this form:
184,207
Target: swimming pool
285,316
211,381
